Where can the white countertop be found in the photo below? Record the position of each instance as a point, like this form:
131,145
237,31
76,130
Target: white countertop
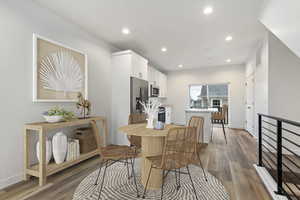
204,110
166,105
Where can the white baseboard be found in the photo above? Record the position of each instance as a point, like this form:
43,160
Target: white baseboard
269,183
10,180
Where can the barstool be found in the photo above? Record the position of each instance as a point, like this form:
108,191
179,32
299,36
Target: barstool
219,117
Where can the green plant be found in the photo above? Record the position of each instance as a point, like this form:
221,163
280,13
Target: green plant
56,111
68,115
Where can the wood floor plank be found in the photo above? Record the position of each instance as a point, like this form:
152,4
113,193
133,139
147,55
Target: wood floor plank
231,163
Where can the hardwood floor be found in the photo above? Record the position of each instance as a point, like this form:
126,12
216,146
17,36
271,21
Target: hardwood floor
232,164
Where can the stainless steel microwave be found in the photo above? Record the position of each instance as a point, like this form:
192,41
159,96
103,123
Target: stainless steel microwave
154,91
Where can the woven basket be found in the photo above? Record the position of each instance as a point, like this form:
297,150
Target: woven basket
86,139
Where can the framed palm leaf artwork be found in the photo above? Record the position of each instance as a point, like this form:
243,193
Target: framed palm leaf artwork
59,72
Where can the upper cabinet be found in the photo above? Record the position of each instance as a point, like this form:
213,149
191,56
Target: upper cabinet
137,65
159,80
162,85
152,75
128,63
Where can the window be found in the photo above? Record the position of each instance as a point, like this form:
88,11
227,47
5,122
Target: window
198,96
207,96
216,103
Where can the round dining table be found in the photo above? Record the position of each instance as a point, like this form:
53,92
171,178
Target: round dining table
152,145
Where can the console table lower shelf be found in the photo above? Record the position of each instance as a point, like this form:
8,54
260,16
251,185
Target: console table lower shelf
42,170
53,168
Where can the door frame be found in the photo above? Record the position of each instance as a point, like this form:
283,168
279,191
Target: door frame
252,131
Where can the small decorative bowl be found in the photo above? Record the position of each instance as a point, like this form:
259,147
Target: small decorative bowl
159,126
53,119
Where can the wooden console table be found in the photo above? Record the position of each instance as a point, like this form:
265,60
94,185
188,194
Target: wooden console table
42,170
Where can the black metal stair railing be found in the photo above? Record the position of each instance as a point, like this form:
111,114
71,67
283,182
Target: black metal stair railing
278,152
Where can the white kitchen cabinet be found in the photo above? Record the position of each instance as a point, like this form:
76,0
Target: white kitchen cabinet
137,64
139,67
125,64
162,85
151,75
157,75
158,79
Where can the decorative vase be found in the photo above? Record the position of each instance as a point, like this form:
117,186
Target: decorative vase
48,151
150,121
59,146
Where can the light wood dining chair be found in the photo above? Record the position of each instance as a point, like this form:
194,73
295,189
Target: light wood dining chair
219,117
136,141
198,123
112,154
179,150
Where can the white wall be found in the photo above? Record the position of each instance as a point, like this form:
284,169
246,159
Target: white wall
284,81
277,84
250,66
284,70
260,70
178,94
276,79
19,20
282,19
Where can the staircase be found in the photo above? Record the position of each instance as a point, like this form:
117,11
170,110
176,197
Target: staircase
291,183
278,153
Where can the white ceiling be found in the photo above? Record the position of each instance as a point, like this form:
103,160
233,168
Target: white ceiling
192,39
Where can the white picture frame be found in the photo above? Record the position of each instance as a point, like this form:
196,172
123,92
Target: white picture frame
36,97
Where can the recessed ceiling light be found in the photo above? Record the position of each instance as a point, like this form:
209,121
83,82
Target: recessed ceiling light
208,10
180,66
228,38
164,49
228,60
125,31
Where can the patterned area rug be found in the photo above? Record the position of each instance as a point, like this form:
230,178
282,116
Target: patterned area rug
118,187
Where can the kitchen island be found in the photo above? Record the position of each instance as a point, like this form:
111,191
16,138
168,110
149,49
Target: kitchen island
206,113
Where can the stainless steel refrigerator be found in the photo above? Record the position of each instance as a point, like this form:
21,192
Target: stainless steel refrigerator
138,92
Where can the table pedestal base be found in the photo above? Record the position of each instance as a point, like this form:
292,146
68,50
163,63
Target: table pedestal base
151,146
